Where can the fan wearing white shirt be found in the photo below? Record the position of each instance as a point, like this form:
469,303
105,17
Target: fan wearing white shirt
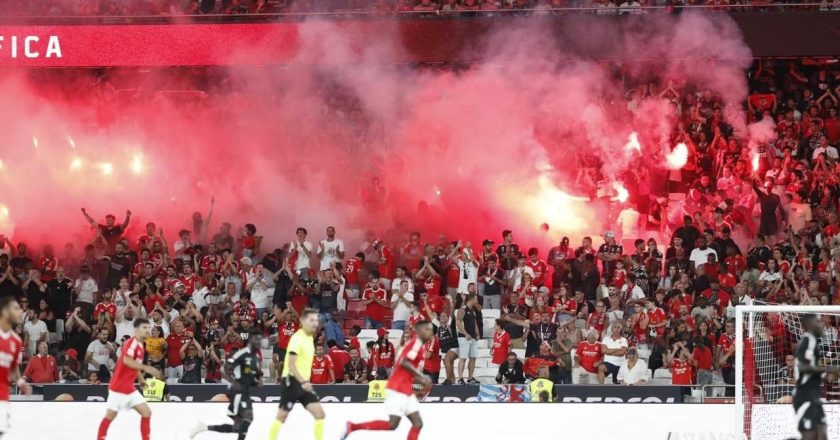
635,371
330,250
700,255
303,249
614,346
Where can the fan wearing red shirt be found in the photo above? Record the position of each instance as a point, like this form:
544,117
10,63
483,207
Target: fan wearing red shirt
722,296
589,356
383,352
376,303
598,319
188,280
735,264
387,263
657,319
538,266
682,373
174,341
432,365
339,358
351,271
702,359
11,353
401,400
323,371
122,395
47,264
106,306
501,343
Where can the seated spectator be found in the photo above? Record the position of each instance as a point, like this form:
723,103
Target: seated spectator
71,372
42,368
614,348
355,370
634,371
511,372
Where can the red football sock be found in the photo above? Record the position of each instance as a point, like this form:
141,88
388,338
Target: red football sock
376,425
413,433
144,428
103,429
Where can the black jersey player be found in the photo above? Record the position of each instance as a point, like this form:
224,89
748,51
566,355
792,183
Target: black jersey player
810,369
243,372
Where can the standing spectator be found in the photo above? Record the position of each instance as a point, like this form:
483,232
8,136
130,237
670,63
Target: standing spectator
100,354
223,239
508,253
387,263
376,303
339,358
501,343
331,250
42,367
538,267
493,279
178,337
85,290
110,232
192,358
511,372
614,348
700,255
333,330
34,288
588,358
634,371
323,371
261,288
562,348
60,294
680,363
469,332
301,251
770,205
351,274
701,360
401,303
725,356
34,332
383,352
609,253
467,268
244,308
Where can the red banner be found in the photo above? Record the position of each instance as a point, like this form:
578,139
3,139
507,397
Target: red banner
147,45
411,40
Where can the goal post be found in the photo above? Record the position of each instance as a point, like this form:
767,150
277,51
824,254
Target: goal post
764,336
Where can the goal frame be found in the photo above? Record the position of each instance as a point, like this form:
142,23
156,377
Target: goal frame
740,311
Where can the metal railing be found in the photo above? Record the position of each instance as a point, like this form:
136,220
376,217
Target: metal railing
760,8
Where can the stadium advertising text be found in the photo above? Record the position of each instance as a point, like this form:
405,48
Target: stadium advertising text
30,46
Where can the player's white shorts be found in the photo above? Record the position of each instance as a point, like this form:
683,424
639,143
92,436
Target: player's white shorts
399,404
121,402
4,417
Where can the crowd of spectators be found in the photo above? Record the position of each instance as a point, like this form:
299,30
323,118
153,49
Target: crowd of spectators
729,228
125,8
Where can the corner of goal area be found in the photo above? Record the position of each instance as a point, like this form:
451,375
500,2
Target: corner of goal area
699,435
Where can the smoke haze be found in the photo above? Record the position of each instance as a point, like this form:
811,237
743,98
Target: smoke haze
467,151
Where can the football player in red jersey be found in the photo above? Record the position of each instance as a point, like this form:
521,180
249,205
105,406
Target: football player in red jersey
400,401
122,394
11,315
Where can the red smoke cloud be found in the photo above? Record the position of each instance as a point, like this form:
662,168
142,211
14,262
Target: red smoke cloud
465,152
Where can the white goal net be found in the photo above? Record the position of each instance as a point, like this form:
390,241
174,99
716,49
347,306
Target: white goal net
766,340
